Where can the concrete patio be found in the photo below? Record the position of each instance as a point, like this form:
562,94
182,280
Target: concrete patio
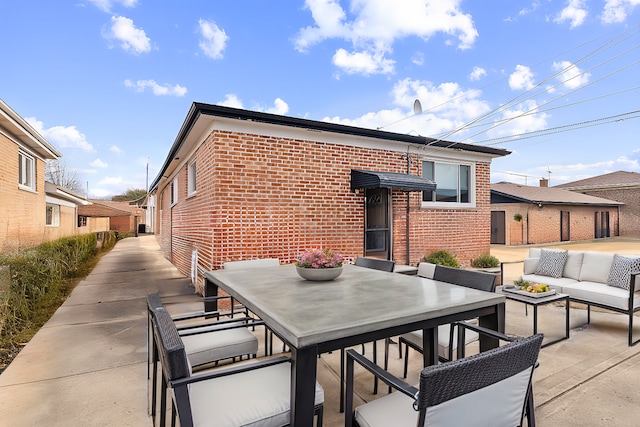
87,365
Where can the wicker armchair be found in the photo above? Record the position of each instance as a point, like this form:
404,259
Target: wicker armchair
488,389
255,393
206,341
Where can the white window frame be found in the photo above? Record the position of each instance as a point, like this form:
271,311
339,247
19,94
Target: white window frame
55,215
173,190
26,171
453,205
191,178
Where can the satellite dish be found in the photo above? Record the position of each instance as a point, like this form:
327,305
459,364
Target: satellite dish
417,107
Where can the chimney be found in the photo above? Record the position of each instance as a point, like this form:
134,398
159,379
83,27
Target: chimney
544,182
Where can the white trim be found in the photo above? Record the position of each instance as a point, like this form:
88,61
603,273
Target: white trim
55,215
173,191
192,178
471,204
26,182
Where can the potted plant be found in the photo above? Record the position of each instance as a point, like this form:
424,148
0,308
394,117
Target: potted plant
320,265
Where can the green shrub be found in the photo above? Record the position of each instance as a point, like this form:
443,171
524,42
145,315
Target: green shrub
485,261
442,257
38,276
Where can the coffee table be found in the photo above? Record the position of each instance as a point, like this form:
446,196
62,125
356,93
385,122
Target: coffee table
538,301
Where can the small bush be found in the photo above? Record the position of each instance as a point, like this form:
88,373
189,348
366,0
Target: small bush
485,261
38,277
442,257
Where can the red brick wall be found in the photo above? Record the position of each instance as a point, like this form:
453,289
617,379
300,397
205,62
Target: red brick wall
629,213
260,196
22,212
542,225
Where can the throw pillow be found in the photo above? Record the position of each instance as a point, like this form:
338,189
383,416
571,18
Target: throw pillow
551,263
620,273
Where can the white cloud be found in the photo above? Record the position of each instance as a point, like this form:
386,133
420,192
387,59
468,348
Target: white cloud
363,63
279,107
445,107
374,25
213,41
99,193
97,163
418,58
132,39
231,100
616,11
116,149
158,90
572,77
105,5
519,120
112,180
477,73
521,78
62,136
575,13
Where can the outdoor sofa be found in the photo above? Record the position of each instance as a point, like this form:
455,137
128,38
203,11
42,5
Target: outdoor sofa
600,279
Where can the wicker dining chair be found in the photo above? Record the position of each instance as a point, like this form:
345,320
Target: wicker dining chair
487,389
207,341
447,334
252,393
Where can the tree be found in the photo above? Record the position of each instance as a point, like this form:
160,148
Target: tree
130,194
57,172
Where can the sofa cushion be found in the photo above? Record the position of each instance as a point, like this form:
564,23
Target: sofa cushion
556,283
534,252
530,265
551,263
596,267
573,265
600,293
621,268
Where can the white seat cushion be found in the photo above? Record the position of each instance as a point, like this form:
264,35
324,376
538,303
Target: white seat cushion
259,397
415,338
554,283
596,267
426,269
600,293
478,408
212,346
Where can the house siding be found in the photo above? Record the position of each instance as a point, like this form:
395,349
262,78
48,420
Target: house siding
262,196
22,212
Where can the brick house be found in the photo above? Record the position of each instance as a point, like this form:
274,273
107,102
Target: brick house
122,223
240,184
522,214
621,186
25,217
97,217
62,212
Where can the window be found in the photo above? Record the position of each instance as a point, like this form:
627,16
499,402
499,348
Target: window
53,215
191,172
454,183
174,191
26,171
82,221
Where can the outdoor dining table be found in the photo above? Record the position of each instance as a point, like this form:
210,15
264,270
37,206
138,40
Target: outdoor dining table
362,305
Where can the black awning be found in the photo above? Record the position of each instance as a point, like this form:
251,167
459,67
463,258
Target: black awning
368,179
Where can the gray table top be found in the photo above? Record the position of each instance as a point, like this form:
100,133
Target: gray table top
361,300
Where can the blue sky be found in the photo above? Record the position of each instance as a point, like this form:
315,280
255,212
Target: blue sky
109,82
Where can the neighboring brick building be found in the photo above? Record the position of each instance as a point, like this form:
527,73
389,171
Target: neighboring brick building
24,215
239,184
527,215
621,186
100,217
123,223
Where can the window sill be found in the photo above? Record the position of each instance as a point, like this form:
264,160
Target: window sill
25,188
